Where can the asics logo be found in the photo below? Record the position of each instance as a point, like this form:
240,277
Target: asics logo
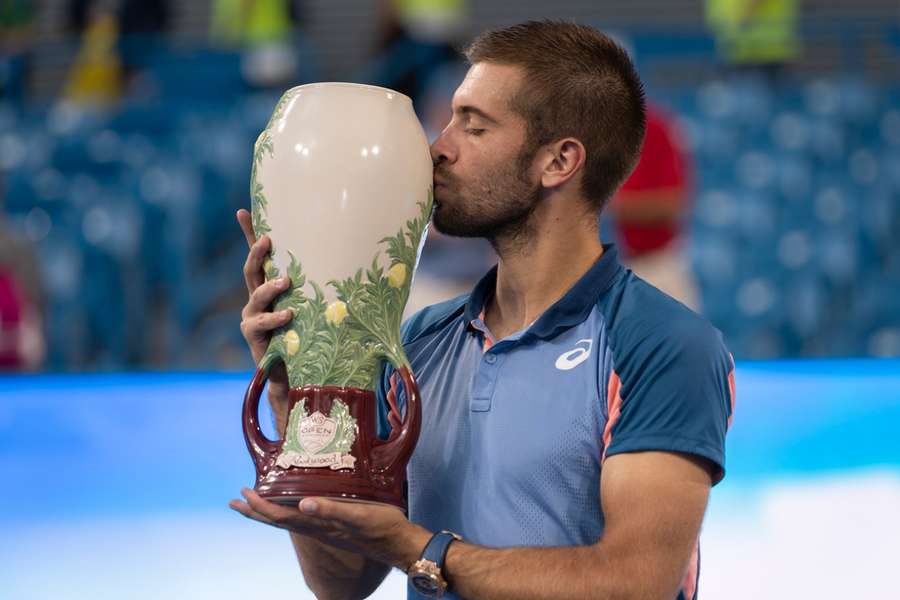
573,358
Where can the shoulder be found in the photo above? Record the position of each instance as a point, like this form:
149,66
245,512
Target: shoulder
645,327
432,318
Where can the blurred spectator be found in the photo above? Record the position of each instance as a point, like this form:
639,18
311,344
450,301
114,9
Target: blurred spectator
16,34
649,211
755,35
21,298
415,38
95,78
140,25
264,29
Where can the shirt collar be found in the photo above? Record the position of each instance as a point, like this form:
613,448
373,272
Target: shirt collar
572,309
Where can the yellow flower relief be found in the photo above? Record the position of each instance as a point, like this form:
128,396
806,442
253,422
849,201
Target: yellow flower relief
397,275
336,312
291,342
267,264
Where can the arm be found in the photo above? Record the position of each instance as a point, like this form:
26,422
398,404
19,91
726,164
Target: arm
333,573
653,503
329,572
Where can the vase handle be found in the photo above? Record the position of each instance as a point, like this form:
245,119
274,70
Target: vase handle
400,445
261,448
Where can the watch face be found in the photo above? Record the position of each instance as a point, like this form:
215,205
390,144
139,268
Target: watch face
426,584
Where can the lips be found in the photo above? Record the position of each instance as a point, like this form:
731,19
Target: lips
440,180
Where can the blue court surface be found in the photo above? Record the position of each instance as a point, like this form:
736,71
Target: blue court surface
116,486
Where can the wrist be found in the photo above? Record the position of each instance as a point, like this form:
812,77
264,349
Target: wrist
426,575
413,543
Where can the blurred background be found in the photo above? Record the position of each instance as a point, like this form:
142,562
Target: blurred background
767,198
126,129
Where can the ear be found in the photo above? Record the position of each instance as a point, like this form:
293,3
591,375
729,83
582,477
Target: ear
563,160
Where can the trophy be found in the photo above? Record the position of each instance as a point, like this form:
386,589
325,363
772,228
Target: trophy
342,184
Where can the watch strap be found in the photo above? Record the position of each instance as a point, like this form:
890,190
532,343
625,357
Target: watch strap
436,549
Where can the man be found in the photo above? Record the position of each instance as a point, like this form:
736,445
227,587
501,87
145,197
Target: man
573,416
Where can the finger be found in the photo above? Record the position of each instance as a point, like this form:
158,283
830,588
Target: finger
347,513
244,509
262,297
259,326
245,220
254,274
283,516
269,510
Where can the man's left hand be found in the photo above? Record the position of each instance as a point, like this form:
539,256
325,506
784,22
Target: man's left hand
378,531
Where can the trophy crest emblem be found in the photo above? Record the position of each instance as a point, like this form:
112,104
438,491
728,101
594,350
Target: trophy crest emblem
317,441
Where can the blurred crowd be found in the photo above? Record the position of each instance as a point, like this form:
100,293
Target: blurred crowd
767,196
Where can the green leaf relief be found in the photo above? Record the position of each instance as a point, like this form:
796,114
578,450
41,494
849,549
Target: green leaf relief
341,343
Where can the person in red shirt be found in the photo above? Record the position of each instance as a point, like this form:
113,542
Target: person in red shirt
650,208
22,345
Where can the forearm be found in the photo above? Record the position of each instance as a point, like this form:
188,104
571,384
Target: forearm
278,401
329,572
334,574
576,572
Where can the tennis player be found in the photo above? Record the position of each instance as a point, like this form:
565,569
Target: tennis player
574,416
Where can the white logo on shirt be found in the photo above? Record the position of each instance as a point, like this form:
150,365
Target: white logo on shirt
573,358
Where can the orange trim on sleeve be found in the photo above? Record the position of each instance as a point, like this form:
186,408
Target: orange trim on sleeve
731,393
614,410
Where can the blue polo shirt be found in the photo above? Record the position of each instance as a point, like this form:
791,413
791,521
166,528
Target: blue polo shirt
515,431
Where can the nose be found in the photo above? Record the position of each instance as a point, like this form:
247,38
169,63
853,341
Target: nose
442,150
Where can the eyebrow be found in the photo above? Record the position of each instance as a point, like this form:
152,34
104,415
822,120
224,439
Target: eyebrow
467,110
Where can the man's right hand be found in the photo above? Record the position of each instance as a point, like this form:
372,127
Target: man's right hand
257,318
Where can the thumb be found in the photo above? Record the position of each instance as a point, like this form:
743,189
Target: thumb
332,510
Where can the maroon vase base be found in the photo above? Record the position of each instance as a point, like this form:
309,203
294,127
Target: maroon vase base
286,493
378,473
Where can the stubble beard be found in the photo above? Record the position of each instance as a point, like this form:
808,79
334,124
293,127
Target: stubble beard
497,206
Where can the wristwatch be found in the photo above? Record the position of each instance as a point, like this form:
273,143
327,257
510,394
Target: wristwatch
425,574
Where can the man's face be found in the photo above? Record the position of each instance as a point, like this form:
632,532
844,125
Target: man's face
482,181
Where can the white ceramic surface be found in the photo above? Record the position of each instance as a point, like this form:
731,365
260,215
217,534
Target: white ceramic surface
349,163
342,182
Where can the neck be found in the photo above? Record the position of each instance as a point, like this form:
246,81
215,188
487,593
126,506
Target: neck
559,246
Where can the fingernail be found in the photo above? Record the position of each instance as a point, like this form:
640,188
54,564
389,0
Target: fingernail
287,312
284,281
309,506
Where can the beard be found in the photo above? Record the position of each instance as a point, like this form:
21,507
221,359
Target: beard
497,206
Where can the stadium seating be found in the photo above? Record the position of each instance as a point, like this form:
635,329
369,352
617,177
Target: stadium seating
793,233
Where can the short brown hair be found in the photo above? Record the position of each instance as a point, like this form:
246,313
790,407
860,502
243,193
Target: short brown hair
579,83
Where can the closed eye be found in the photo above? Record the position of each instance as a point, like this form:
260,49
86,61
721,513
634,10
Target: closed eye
476,132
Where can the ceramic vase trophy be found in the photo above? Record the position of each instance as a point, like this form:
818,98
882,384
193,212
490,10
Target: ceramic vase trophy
342,184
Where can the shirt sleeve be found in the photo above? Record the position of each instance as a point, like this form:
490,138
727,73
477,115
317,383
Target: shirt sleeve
381,391
676,397
389,391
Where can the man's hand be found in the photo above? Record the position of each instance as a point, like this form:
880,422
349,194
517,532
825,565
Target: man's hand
379,532
257,319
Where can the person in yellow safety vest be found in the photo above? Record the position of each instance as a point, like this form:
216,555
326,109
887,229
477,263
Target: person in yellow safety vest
755,32
250,22
95,78
432,21
263,30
